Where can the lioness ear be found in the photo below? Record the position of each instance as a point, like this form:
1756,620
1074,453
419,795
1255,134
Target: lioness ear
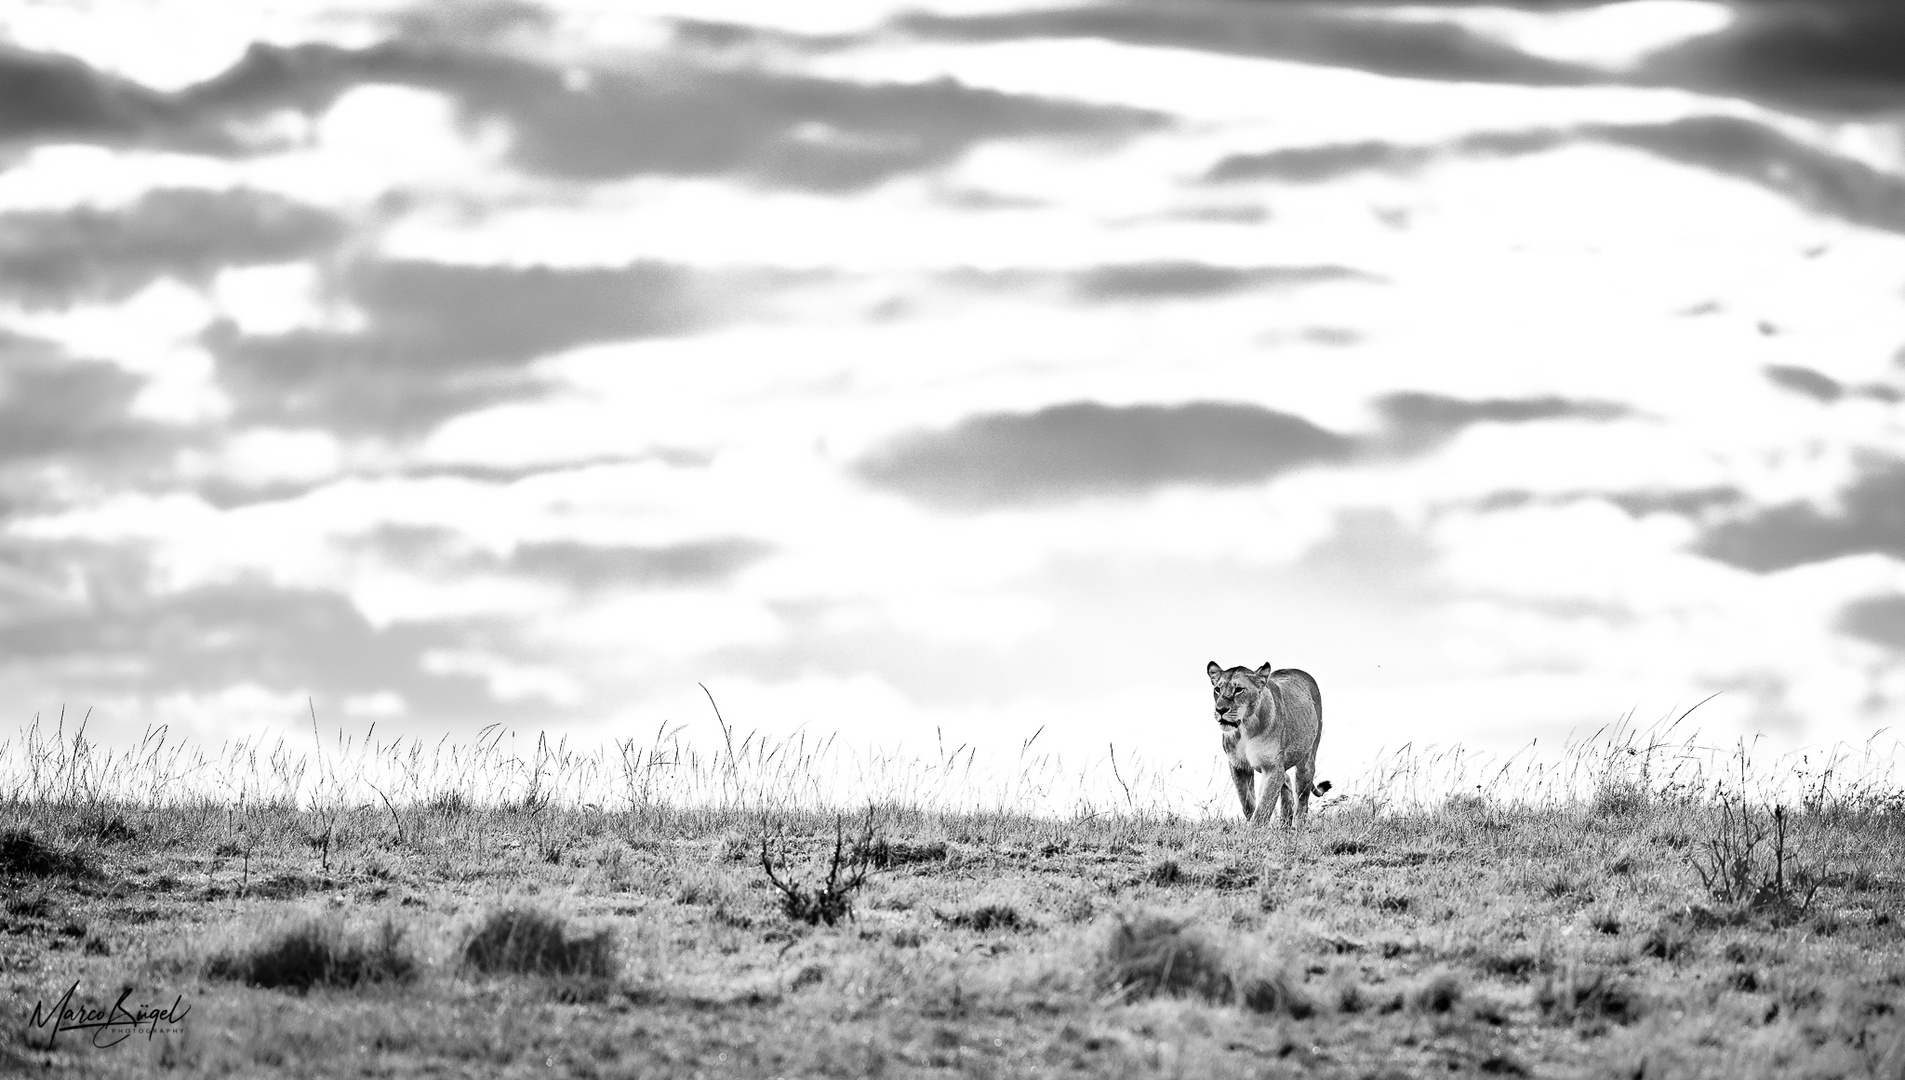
1213,671
1265,669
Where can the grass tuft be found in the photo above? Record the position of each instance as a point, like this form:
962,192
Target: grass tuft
21,852
1158,956
987,918
530,941
1438,993
1666,941
1272,993
112,830
883,854
1583,993
1617,797
1165,872
1152,955
1514,964
318,952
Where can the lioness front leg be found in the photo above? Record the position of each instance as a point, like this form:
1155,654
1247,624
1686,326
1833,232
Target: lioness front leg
1246,781
1269,794
1286,797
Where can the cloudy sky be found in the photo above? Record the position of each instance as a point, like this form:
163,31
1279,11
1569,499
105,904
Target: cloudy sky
961,367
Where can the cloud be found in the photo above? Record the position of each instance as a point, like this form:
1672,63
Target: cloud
1692,501
1084,448
1805,381
1142,281
1689,502
441,339
47,97
53,406
1384,46
210,638
578,565
1870,518
1843,57
1315,164
1371,550
1173,280
57,257
671,117
775,128
1417,422
1819,180
1877,619
469,21
590,566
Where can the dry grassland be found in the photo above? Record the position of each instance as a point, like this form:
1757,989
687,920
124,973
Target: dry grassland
1647,929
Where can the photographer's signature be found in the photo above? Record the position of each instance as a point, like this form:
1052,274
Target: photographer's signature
110,1026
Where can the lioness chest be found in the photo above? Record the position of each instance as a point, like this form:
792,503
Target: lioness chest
1263,753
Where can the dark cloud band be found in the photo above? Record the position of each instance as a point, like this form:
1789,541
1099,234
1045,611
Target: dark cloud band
55,258
1877,619
1084,448
1417,422
670,117
207,639
1805,382
579,565
52,405
1819,180
1283,31
1181,280
1835,56
1870,519
441,339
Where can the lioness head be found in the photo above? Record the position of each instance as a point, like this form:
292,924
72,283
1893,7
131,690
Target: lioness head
1233,690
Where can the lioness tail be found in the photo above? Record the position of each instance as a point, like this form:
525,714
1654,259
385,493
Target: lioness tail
1321,788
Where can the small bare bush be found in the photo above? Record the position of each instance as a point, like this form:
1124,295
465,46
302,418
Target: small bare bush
832,900
530,941
319,952
1751,860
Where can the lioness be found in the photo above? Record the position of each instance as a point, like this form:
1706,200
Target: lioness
1272,722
